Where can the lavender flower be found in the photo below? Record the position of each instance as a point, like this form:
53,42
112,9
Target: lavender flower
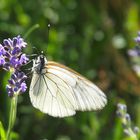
134,54
11,59
136,130
11,55
126,121
137,39
16,83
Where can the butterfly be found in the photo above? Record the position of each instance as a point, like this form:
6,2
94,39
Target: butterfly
60,91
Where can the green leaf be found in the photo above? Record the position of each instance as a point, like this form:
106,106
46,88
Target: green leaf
2,132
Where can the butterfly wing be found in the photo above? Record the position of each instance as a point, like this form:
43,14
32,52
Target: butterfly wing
61,91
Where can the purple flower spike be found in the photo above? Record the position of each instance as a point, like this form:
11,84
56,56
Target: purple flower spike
11,51
14,76
14,61
20,75
21,42
23,87
15,40
12,58
134,52
15,89
16,51
10,91
137,39
11,82
23,59
7,42
6,66
7,55
2,50
15,83
2,60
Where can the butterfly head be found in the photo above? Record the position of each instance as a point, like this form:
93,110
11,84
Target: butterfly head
39,63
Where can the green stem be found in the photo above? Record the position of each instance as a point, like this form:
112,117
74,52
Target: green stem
12,118
132,134
31,30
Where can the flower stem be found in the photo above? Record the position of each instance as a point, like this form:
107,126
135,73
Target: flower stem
31,30
12,117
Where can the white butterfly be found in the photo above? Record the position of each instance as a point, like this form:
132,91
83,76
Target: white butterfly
60,91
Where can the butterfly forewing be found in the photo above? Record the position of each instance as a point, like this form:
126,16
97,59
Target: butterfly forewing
87,96
60,91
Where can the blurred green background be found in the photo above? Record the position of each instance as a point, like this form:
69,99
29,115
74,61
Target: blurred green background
90,36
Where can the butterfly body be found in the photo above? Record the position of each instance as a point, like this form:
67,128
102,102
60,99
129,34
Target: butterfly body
60,91
39,64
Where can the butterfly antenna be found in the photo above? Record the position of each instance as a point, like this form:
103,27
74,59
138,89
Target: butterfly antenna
49,25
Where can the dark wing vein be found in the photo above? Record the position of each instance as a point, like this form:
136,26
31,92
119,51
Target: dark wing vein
60,95
50,92
99,94
45,95
60,88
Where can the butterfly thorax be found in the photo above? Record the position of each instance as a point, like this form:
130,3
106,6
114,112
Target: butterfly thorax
39,64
